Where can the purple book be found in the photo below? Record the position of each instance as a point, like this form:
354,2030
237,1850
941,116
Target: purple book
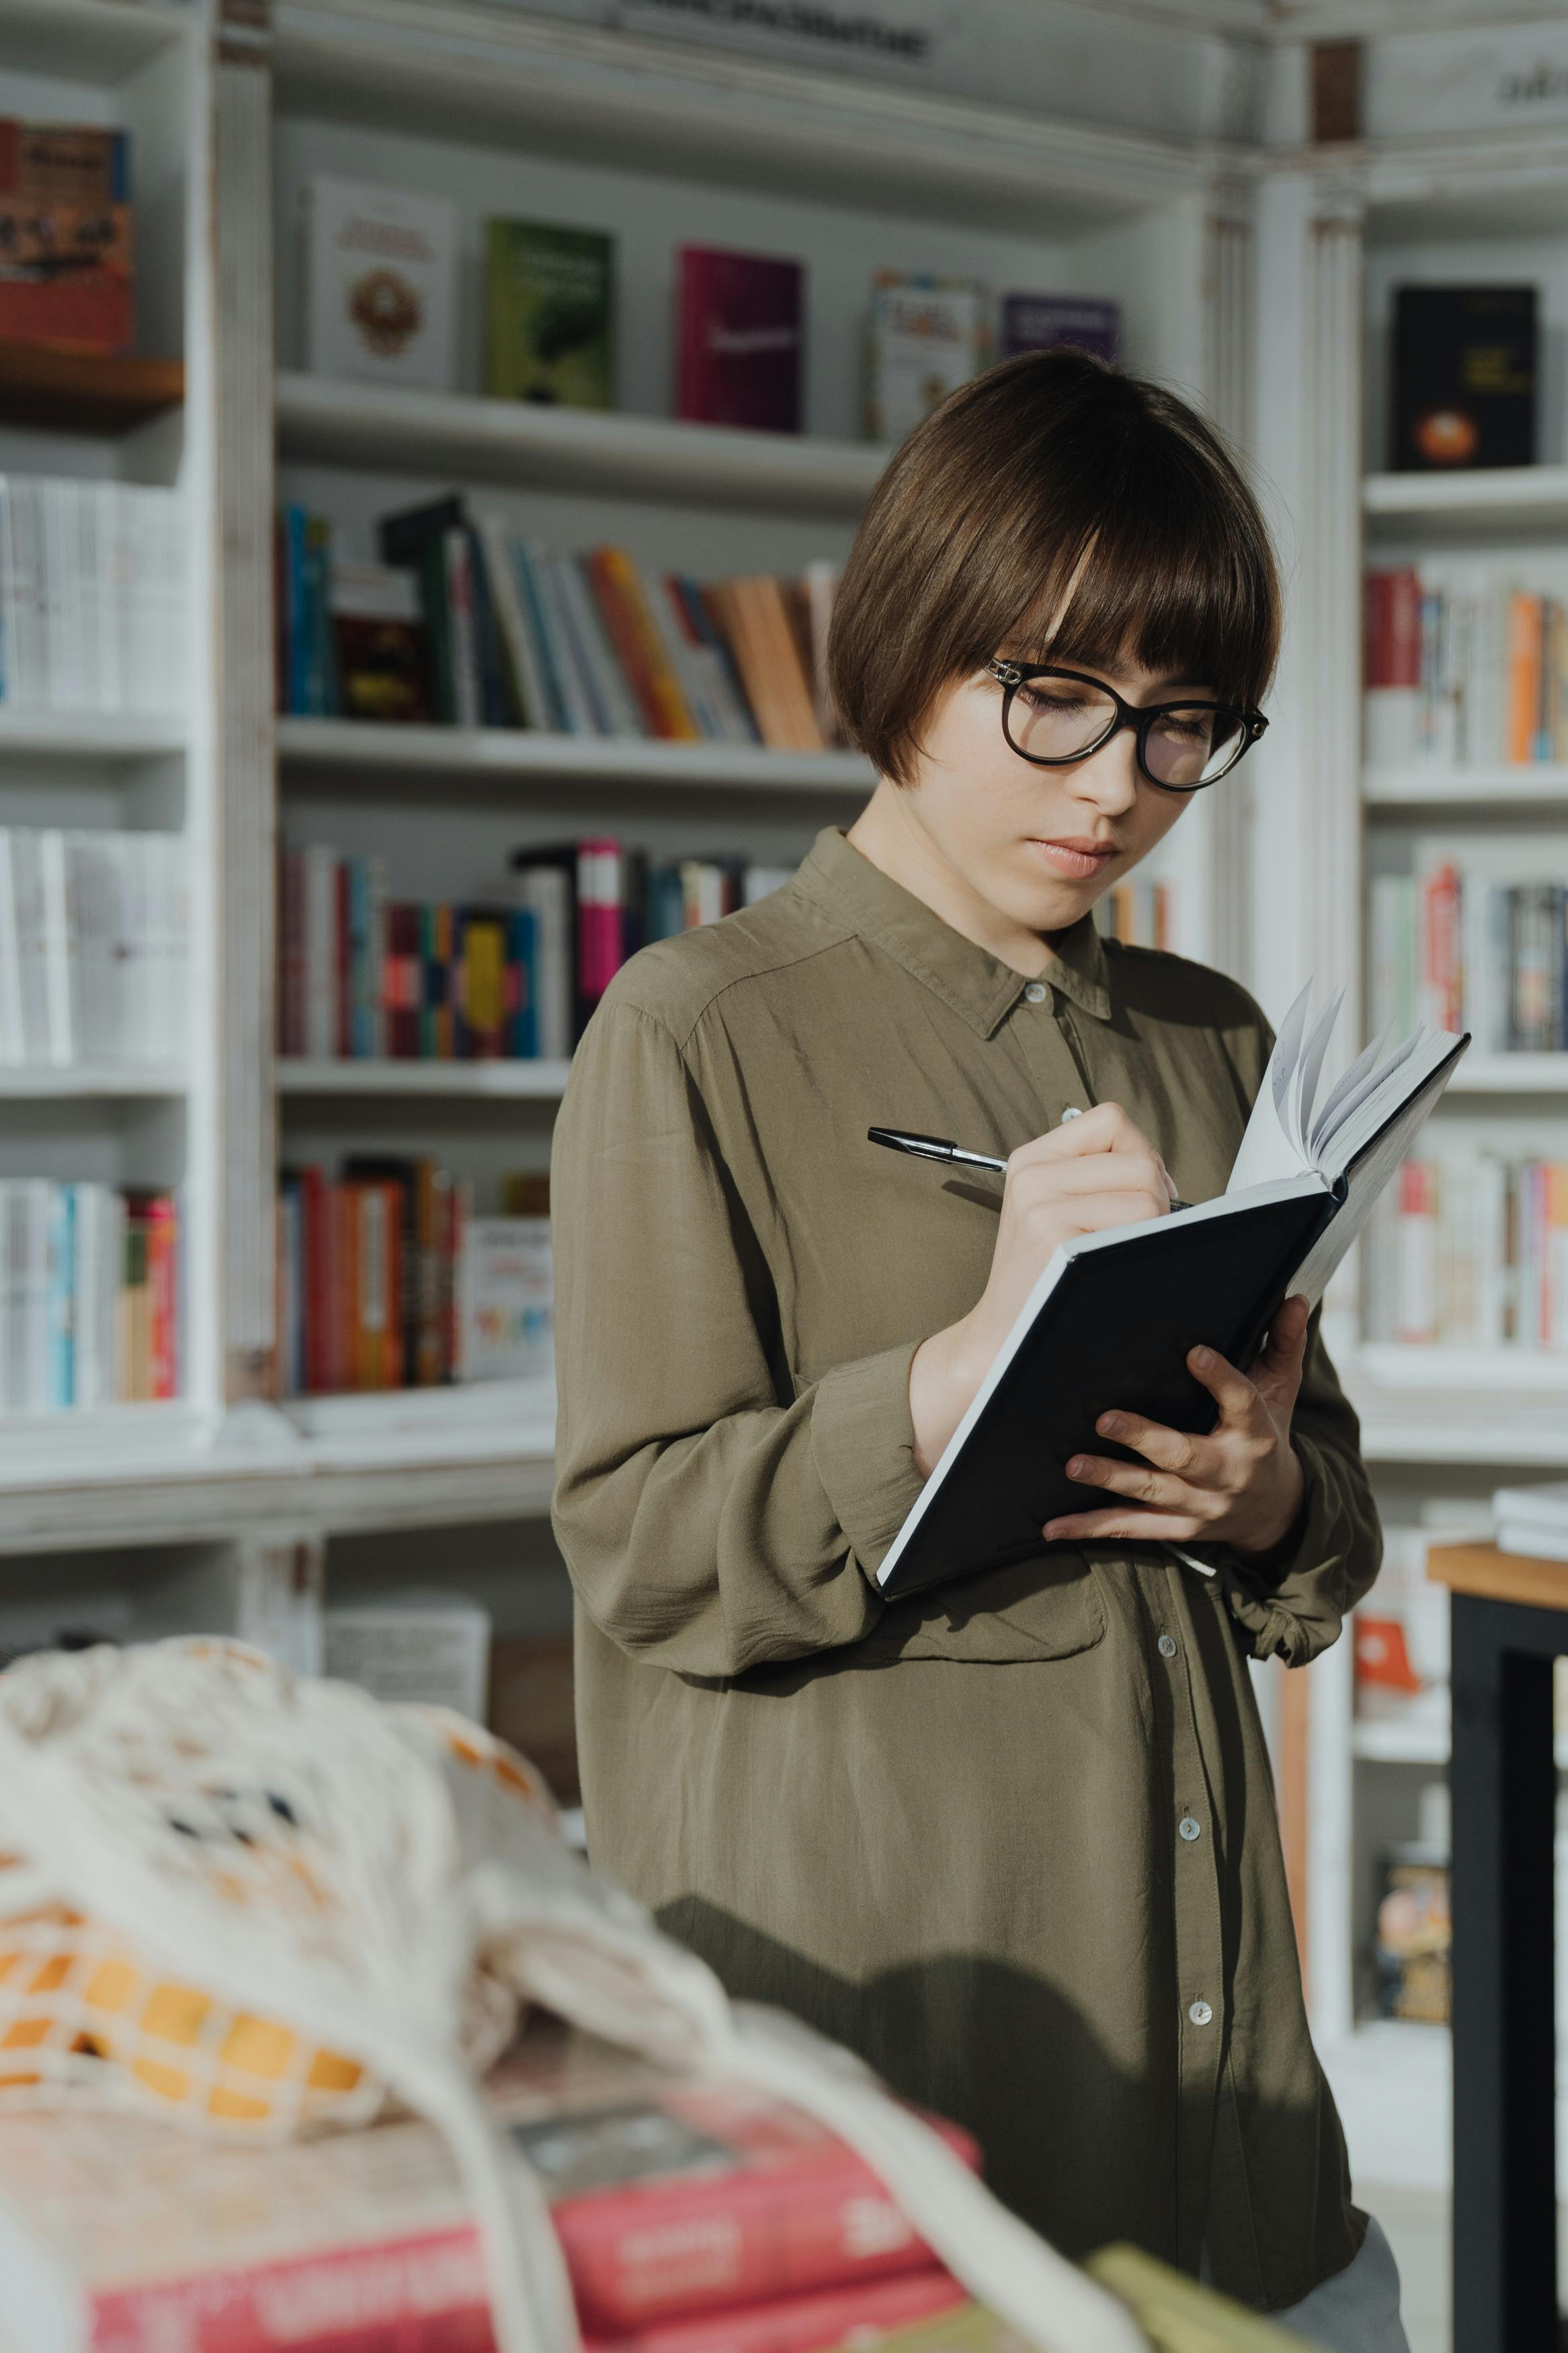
1049,322
738,340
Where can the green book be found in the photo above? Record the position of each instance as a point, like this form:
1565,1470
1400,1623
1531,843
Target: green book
551,314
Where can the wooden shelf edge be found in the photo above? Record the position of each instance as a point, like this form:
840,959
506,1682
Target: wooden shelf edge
1496,1575
83,392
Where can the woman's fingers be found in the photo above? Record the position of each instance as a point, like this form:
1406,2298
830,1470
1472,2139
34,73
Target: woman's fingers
1235,1396
1159,1491
1114,1524
1172,1449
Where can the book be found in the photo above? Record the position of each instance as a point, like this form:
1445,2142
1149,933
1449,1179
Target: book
380,277
550,314
740,339
67,278
94,947
423,1648
924,337
675,2199
1052,323
92,596
89,1305
379,643
506,1323
1463,379
1123,1308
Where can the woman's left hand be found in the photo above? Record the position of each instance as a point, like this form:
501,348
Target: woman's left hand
1240,1485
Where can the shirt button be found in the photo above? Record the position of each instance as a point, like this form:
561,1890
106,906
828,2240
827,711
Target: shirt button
1036,992
1189,1829
1167,1646
1200,2013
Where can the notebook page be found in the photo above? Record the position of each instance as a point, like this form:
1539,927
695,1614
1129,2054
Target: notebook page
1270,1150
1370,1174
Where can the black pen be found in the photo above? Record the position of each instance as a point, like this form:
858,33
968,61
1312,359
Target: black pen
938,1147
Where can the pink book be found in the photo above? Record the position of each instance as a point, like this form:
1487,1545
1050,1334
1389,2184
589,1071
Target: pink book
739,338
599,917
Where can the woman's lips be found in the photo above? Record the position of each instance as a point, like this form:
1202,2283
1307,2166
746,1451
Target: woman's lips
1079,859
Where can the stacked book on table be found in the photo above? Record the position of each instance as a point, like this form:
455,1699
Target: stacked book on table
696,2216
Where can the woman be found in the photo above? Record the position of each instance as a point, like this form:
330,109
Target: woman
1013,1840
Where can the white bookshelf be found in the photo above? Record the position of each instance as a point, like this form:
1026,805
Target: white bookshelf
507,441
518,1081
1440,1426
363,752
62,735
74,1080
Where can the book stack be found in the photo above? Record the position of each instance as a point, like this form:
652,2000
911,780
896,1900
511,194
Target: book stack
94,947
365,976
92,596
387,1280
1467,665
1469,950
1470,1248
469,625
89,1296
1139,914
695,2216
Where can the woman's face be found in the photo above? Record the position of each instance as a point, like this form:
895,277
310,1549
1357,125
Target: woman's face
1038,846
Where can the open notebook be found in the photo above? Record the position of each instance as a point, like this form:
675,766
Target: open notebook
1112,1319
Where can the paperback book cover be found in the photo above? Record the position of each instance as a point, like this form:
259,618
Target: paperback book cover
739,338
379,641
925,337
1464,377
66,270
380,274
675,2199
1051,322
549,314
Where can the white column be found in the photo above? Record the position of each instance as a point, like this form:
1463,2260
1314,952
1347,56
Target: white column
247,816
1229,328
1330,591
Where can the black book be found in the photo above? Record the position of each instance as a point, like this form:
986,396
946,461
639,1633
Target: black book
1464,377
1112,1318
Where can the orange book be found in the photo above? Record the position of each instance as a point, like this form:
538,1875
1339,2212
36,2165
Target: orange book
376,1294
791,685
164,1306
1524,711
617,592
733,617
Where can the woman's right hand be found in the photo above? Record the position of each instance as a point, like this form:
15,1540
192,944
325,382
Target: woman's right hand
1094,1172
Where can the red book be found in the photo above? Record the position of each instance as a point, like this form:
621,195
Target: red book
67,236
291,953
599,925
739,338
1393,622
342,951
402,982
684,2206
158,1214
1443,968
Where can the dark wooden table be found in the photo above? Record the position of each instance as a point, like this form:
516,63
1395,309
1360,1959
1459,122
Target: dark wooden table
1509,1618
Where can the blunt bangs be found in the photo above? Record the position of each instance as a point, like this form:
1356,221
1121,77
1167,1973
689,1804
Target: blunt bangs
1061,511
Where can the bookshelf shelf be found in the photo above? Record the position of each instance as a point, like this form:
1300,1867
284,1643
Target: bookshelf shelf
88,735
514,755
1489,498
519,1080
73,392
513,441
1535,784
1386,1741
1510,1074
83,1078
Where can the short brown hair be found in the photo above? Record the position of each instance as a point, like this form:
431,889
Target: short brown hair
1064,511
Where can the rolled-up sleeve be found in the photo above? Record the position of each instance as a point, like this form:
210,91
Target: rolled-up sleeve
713,1518
1294,1603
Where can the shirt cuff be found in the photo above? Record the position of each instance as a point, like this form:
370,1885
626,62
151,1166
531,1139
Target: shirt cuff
1291,1601
863,1444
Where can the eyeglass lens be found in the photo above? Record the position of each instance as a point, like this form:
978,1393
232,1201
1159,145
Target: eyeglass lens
1064,718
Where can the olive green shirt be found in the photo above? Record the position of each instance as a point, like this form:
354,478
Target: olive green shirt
1014,1839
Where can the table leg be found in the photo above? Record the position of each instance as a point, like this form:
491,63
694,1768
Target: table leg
1503,1784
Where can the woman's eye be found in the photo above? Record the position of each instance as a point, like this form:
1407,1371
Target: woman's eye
1039,699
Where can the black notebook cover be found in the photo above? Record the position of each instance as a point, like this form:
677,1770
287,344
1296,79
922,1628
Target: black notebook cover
1464,377
1114,1332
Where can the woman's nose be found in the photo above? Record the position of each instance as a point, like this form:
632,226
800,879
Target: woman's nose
1109,777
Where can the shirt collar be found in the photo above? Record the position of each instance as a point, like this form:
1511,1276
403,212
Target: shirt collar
977,984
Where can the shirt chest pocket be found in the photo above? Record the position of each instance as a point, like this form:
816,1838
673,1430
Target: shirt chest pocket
1047,1607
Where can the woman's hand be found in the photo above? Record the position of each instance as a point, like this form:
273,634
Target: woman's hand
1091,1173
1241,1485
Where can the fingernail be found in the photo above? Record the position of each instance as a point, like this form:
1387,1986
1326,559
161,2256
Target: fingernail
1204,1356
1077,1467
1049,1530
1109,1425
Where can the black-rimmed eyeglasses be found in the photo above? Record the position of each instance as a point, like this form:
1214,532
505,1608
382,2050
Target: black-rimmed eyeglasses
1053,717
